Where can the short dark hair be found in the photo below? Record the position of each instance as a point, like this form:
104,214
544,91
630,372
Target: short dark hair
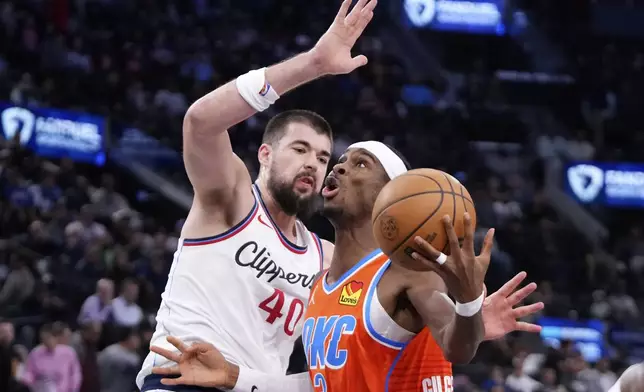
58,328
401,156
276,126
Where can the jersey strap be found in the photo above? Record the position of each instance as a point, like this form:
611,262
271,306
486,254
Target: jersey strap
378,323
238,228
288,244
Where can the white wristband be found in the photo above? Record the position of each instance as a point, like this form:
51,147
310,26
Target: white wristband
469,309
255,90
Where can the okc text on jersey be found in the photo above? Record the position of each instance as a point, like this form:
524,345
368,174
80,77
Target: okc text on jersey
315,334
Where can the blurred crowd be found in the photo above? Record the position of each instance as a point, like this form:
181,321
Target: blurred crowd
83,264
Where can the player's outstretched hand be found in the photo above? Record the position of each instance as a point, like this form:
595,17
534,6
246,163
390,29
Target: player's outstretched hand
463,271
332,52
500,316
199,364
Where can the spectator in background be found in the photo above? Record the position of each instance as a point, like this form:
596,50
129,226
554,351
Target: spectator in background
86,226
495,379
52,366
46,194
85,344
518,380
584,378
98,306
125,311
6,355
624,308
119,363
18,286
106,201
549,381
607,378
62,332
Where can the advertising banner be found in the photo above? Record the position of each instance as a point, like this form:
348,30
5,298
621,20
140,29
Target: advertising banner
56,133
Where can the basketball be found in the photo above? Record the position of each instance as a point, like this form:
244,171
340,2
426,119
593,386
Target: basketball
414,204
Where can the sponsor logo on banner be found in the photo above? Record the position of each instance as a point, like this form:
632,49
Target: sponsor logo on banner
16,120
420,12
586,181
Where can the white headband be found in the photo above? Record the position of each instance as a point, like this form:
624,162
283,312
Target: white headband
394,166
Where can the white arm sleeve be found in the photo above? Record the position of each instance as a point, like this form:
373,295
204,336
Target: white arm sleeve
615,388
254,381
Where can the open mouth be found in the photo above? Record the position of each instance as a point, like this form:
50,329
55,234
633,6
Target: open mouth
306,180
331,187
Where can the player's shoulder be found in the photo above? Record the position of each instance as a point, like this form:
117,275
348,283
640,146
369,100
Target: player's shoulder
632,379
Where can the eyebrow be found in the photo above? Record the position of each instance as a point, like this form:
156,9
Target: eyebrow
324,153
369,155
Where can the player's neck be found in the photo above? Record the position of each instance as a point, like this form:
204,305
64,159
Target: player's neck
285,222
351,246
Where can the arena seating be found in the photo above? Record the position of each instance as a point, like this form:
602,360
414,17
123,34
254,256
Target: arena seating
141,63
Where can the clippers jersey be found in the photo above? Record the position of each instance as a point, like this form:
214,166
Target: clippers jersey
352,344
244,291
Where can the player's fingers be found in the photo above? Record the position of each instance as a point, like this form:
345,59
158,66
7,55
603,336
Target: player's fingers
512,284
201,348
488,244
468,240
426,249
527,310
180,345
342,12
359,61
522,294
430,264
452,238
175,381
171,355
166,371
354,15
361,24
370,6
528,327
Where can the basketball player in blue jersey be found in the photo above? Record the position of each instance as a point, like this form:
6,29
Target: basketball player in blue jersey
244,265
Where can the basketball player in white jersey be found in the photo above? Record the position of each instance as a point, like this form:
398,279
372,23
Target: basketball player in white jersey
244,265
632,380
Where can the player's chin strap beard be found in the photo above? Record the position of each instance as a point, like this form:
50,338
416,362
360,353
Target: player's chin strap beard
390,161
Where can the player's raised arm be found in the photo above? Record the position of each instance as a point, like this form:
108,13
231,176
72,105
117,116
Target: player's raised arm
201,364
214,170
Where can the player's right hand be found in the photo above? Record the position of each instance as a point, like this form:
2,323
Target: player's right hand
199,364
462,271
332,52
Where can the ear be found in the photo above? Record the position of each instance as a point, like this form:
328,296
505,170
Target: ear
264,154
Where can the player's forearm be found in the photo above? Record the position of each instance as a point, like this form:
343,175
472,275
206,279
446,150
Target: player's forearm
245,380
224,107
462,337
458,336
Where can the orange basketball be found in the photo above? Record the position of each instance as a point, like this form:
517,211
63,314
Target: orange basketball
413,204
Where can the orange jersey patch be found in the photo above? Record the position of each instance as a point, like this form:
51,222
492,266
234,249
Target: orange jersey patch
352,344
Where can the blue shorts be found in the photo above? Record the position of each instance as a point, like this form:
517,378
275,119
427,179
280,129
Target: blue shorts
152,383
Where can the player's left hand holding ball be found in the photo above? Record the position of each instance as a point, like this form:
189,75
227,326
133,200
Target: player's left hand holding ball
462,271
198,364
